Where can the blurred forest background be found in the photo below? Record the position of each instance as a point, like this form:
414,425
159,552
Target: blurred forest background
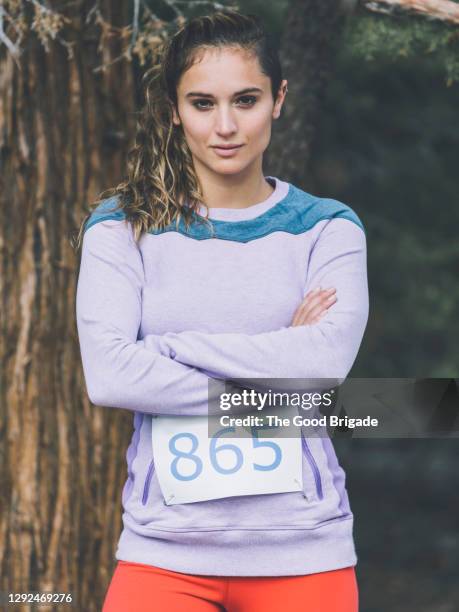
372,119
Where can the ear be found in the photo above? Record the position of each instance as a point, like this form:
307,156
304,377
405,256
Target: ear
280,99
175,116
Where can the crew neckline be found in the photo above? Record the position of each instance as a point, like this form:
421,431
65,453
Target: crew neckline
249,212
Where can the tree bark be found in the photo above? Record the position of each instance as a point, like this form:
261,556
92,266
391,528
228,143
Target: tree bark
310,38
64,132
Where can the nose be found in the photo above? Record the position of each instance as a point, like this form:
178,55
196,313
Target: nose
225,122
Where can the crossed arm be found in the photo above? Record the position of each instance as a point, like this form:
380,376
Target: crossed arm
326,349
121,371
169,374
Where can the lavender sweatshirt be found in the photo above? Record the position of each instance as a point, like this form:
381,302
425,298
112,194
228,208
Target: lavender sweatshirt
157,319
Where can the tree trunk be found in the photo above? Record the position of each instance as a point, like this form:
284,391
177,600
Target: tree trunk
64,131
308,47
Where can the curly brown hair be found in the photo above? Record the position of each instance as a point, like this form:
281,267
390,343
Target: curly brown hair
161,184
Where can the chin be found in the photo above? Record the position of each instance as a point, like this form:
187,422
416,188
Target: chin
227,171
229,166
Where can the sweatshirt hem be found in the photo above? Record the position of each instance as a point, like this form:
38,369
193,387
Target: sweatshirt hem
282,552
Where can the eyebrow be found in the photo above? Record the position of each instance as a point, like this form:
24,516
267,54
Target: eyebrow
237,93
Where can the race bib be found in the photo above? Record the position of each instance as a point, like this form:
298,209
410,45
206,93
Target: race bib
193,467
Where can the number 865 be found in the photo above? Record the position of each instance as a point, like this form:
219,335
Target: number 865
214,450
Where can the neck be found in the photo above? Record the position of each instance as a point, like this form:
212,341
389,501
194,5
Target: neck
234,190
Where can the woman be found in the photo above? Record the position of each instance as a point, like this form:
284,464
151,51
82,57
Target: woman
199,267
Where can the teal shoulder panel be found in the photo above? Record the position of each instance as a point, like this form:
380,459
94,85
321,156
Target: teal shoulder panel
106,211
296,213
326,208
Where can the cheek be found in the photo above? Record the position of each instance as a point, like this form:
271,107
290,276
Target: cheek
196,128
258,126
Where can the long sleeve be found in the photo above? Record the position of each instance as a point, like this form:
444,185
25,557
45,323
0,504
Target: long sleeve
120,370
324,350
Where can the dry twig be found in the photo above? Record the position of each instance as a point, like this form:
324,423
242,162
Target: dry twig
444,10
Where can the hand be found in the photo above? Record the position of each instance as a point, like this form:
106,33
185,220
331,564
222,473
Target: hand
314,305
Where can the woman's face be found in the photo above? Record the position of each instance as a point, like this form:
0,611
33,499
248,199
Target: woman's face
225,106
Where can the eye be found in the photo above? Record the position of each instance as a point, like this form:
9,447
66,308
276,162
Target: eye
202,104
246,100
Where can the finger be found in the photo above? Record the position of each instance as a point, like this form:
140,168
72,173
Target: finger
312,298
309,315
303,304
309,295
324,305
318,292
314,320
317,300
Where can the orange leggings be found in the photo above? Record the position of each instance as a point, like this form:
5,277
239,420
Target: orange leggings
136,587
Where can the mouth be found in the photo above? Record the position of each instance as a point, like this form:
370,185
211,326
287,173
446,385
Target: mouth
227,146
225,150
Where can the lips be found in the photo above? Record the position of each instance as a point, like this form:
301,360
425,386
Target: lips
226,150
226,147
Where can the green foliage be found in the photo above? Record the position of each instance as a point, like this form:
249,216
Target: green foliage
273,13
379,37
387,146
